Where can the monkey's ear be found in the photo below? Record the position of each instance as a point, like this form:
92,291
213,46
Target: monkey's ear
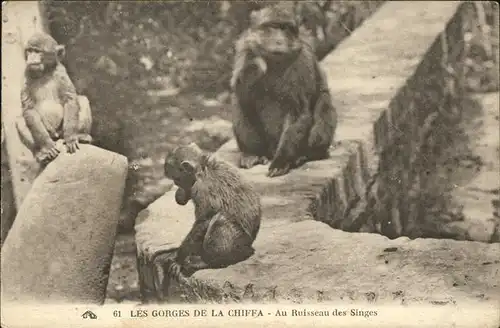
60,51
188,166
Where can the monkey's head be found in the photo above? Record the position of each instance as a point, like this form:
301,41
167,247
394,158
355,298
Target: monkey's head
42,53
275,33
180,166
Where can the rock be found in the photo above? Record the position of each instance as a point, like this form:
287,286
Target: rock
60,246
210,133
211,102
160,227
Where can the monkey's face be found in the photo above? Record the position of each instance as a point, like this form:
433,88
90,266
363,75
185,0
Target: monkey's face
182,176
173,170
42,53
180,166
276,42
34,60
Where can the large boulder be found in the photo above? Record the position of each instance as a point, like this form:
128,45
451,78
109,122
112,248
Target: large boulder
60,246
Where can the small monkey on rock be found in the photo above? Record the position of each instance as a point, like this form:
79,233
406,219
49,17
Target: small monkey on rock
52,110
284,111
227,211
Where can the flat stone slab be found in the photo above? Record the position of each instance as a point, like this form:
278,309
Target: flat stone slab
309,262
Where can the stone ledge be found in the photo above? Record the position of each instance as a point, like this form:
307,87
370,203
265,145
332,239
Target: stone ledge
309,262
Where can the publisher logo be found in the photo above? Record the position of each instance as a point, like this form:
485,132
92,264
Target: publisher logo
89,315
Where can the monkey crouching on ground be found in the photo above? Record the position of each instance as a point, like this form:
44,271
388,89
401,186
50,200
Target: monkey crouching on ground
284,111
51,108
227,211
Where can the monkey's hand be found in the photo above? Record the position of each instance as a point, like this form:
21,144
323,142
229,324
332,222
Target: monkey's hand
72,143
182,196
47,153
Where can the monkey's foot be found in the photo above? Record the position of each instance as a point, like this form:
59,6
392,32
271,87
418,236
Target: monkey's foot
174,271
85,138
277,169
46,155
249,161
281,165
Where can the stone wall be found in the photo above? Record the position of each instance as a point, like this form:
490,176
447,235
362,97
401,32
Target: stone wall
415,112
413,133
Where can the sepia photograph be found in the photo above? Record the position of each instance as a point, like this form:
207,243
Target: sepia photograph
253,163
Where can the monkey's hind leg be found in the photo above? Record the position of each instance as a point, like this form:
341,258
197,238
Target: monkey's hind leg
84,120
35,136
25,134
322,133
226,243
250,143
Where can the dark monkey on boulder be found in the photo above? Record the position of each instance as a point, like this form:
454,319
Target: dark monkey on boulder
51,108
284,112
227,211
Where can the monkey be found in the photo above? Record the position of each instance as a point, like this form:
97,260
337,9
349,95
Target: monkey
227,211
250,53
51,108
284,113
